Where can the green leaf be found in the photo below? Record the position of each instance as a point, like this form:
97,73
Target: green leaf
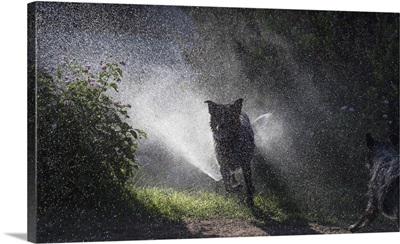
102,74
134,134
141,133
119,71
115,86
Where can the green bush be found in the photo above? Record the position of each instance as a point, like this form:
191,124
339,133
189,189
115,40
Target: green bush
85,147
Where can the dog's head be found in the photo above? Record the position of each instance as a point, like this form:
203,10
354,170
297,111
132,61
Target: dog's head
225,119
376,148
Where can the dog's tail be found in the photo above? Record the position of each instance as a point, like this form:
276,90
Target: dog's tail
260,125
261,122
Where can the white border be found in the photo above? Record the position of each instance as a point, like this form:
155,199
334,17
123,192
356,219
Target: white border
13,113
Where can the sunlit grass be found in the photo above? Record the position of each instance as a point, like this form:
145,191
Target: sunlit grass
190,204
201,204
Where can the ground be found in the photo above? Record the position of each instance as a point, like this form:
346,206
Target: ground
237,228
205,228
242,227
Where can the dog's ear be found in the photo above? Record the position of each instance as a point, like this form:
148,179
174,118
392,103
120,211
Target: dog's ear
211,106
370,141
237,106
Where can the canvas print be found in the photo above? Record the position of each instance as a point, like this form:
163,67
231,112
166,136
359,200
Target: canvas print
167,122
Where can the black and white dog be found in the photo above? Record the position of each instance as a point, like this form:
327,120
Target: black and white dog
383,186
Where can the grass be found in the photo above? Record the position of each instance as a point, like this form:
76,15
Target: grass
201,204
150,208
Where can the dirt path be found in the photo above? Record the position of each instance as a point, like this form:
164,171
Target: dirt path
242,227
150,230
236,228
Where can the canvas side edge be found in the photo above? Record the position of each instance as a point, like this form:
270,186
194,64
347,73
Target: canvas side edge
31,125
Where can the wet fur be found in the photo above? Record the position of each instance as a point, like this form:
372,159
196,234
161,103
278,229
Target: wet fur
383,186
234,143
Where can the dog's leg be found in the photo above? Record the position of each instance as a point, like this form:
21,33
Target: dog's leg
226,177
370,214
249,185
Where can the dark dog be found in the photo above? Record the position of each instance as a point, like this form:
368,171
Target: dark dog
383,186
234,143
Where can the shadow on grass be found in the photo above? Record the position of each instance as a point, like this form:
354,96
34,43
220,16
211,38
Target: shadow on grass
139,222
297,226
